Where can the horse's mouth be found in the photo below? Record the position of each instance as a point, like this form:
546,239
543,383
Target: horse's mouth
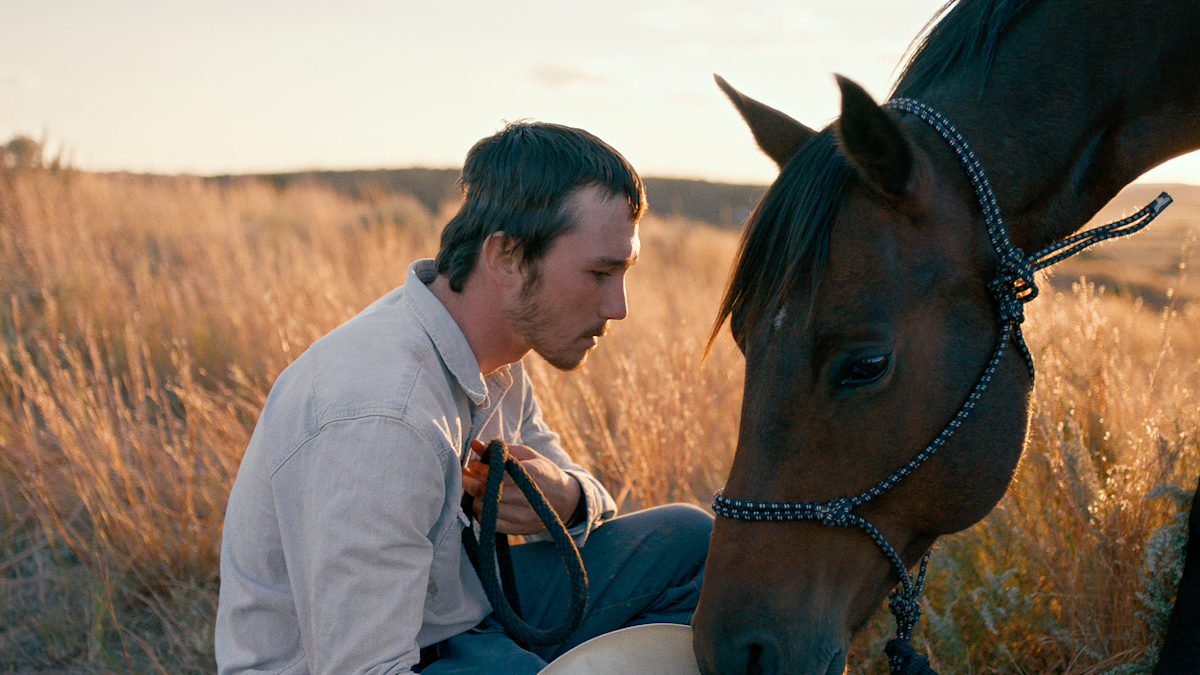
837,665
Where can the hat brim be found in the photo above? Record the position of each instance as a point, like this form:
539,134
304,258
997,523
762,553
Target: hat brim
649,649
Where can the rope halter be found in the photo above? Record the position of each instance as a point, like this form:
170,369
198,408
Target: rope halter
1013,286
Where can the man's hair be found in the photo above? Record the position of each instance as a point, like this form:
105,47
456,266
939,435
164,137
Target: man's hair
519,181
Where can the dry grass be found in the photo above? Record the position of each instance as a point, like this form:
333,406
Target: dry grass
143,320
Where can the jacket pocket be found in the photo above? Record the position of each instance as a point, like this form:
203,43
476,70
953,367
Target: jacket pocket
445,592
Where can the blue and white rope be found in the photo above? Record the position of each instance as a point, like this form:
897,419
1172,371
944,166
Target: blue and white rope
1014,284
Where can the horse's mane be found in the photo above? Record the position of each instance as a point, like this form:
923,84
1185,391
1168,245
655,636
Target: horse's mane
965,38
785,243
787,234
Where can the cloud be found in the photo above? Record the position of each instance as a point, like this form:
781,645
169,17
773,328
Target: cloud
557,76
17,78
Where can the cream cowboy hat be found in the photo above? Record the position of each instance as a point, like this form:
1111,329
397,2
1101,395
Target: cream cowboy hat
650,649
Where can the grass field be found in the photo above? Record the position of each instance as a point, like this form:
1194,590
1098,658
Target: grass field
143,321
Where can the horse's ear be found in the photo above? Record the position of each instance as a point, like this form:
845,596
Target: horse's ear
873,142
777,134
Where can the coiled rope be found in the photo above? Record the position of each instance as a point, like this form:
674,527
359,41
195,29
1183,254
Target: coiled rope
493,546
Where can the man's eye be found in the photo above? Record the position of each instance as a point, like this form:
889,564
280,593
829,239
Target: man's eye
865,370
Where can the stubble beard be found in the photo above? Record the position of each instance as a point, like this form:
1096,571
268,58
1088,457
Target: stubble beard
530,319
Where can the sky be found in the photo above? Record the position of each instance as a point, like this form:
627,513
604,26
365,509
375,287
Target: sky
252,86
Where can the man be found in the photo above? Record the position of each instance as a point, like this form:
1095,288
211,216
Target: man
341,551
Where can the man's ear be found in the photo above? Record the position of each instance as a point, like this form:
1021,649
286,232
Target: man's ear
500,257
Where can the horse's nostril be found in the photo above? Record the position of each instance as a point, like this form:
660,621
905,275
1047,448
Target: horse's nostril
762,659
837,665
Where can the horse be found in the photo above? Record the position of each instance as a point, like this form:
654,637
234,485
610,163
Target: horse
877,297
1180,652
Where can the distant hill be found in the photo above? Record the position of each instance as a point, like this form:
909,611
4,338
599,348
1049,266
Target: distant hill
721,204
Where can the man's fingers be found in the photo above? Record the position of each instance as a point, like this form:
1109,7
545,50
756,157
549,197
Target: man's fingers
473,487
511,519
523,452
514,515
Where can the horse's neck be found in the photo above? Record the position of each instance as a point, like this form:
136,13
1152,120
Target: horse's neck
1082,99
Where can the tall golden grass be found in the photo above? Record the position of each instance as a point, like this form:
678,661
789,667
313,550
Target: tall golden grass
144,319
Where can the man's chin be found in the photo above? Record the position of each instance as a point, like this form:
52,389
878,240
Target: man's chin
566,362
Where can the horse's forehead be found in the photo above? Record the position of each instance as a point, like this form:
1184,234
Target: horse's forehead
867,247
879,262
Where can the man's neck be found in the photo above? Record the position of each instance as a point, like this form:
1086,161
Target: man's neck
481,319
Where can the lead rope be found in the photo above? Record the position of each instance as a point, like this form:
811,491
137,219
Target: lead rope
1013,286
502,592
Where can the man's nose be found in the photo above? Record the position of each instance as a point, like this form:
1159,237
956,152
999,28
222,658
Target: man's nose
615,306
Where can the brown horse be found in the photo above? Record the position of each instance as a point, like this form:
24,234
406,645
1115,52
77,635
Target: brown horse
877,299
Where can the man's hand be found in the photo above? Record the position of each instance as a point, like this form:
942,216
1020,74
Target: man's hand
515,515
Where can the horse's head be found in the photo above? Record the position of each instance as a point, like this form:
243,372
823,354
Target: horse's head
860,300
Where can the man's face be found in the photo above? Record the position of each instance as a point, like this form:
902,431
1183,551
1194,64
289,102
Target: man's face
579,284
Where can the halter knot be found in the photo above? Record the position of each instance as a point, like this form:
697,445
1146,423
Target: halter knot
835,512
1012,288
904,660
907,611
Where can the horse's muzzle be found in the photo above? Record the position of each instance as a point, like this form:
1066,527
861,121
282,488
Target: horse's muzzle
760,653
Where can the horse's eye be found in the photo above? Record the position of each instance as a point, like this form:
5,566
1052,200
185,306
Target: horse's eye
865,370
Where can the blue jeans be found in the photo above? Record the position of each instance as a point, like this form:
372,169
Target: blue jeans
645,567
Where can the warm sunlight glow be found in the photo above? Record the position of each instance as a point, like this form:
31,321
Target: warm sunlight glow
180,86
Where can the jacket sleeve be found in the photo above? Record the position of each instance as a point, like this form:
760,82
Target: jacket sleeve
357,506
534,433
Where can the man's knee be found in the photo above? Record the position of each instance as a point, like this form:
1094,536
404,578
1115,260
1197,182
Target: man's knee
691,526
682,529
687,520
